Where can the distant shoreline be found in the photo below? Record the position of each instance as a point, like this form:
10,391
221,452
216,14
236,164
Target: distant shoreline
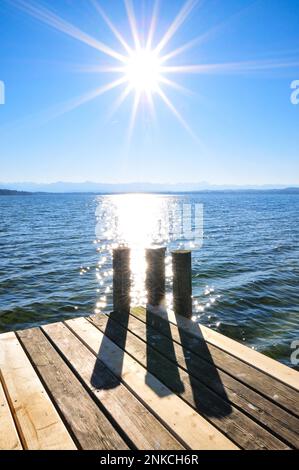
9,192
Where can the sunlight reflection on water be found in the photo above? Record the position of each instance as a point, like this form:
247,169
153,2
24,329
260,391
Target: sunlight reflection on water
138,221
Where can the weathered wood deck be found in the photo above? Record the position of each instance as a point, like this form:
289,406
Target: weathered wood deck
142,380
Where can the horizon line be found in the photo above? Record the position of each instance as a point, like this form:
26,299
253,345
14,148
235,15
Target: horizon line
147,183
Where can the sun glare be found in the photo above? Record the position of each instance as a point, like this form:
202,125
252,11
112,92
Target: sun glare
143,71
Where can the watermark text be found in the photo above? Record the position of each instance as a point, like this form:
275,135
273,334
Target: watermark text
295,353
295,93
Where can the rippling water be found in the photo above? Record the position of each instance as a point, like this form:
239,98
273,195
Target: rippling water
56,259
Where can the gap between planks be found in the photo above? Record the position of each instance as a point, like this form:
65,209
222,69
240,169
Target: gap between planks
9,438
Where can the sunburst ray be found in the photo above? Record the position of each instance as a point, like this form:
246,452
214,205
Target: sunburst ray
133,23
119,101
94,68
134,115
181,49
151,105
175,86
89,96
153,25
175,112
112,27
207,35
176,24
51,19
229,67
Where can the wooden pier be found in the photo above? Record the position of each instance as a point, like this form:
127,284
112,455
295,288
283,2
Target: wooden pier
142,379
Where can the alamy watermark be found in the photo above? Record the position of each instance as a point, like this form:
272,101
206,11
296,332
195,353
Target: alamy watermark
295,353
295,92
2,92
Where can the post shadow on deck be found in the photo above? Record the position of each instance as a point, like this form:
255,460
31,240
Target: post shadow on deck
182,305
121,305
170,372
155,287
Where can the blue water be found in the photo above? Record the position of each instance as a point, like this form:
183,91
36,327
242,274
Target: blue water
245,276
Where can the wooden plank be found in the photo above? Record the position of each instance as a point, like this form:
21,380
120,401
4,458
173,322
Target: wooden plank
91,428
264,411
192,429
141,427
265,364
236,425
37,420
9,439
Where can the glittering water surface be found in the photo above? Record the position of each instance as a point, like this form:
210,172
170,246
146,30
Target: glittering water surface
56,259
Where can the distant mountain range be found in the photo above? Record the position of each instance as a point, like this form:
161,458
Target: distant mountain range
104,188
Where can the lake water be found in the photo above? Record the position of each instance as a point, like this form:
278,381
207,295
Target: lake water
56,259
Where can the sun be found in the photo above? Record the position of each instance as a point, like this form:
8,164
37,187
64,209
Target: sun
143,71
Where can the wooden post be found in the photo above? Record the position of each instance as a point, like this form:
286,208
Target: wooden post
182,283
155,276
121,280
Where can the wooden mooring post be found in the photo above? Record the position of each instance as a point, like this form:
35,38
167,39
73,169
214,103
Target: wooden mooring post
121,280
155,276
182,283
155,280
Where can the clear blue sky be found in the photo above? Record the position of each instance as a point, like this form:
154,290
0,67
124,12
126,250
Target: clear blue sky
246,126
